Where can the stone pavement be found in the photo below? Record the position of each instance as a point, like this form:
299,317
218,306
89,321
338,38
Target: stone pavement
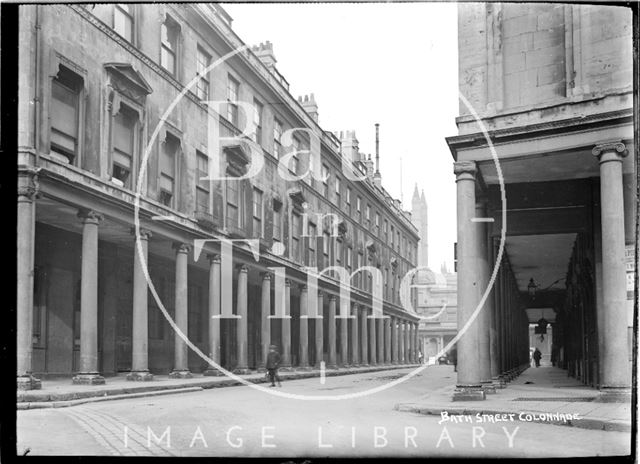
538,394
58,393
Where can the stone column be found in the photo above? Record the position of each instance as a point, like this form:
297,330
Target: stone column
412,343
484,317
214,314
469,377
181,351
333,362
344,339
88,373
304,330
25,267
387,340
394,340
265,322
285,363
415,343
319,331
242,323
355,358
372,342
407,342
364,342
614,356
380,340
401,352
140,329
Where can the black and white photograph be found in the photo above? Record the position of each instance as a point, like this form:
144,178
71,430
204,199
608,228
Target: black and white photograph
324,230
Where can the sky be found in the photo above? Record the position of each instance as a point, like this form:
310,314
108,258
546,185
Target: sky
395,64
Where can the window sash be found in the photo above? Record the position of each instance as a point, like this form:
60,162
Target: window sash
123,21
202,199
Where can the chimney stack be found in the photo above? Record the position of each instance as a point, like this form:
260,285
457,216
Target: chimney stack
349,145
309,104
264,52
377,179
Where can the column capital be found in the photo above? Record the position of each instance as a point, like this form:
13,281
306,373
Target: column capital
181,247
287,282
214,258
27,192
304,288
320,294
265,276
90,216
332,298
615,147
145,234
465,170
242,268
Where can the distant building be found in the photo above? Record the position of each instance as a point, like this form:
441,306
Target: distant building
436,293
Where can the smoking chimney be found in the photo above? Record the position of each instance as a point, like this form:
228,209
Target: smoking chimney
376,177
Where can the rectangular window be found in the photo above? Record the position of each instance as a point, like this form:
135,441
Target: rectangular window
295,160
385,231
367,214
233,203
296,232
325,180
349,259
398,241
377,224
257,121
360,261
392,236
258,231
277,221
65,113
338,252
169,32
359,208
348,200
203,60
123,20
124,126
168,170
325,246
277,138
202,186
232,100
338,192
312,231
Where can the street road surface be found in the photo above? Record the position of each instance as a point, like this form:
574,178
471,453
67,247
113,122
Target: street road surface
242,421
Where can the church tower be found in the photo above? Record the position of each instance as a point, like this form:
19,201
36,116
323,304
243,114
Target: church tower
419,218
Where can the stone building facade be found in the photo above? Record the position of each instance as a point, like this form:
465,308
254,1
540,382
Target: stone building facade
112,194
552,86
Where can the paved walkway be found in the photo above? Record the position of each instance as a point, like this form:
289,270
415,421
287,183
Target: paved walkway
538,394
61,392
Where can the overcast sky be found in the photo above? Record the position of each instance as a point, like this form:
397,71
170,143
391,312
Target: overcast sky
391,63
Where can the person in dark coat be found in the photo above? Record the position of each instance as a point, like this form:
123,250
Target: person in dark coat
536,357
273,362
453,356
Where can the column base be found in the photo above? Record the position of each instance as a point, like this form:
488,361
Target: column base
181,374
28,382
614,395
488,387
88,379
140,376
497,382
468,393
286,369
212,372
303,368
261,370
242,371
332,366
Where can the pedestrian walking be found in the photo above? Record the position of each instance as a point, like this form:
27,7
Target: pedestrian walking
273,362
536,357
420,356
